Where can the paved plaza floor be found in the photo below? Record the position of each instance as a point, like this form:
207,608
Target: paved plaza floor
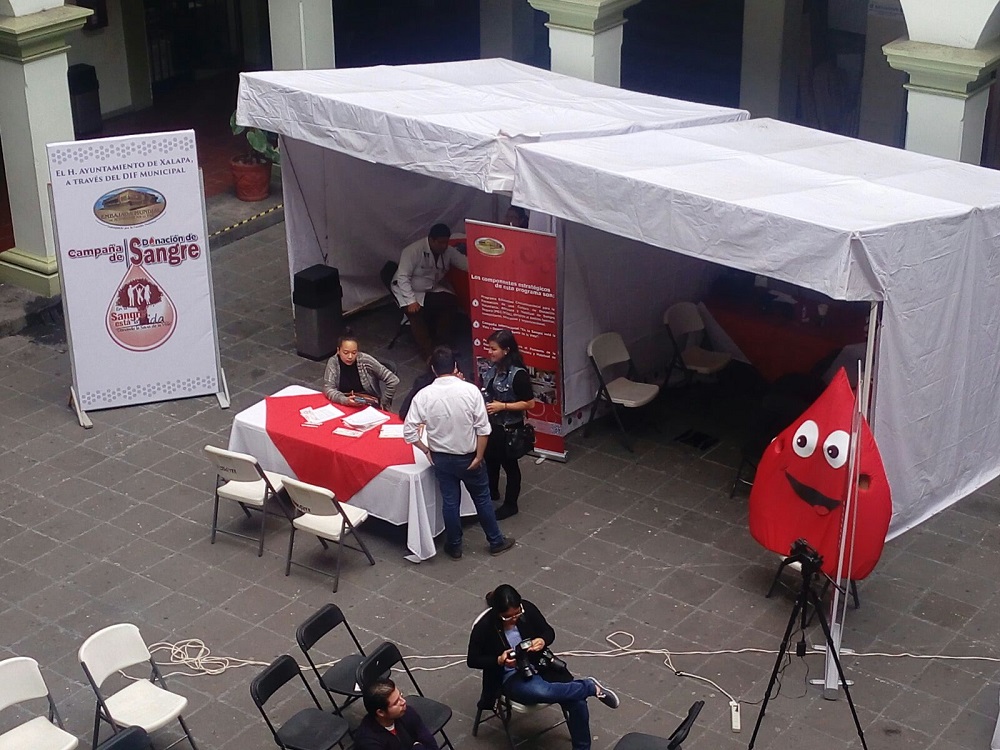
112,524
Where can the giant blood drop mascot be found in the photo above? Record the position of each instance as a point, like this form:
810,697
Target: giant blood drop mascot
801,486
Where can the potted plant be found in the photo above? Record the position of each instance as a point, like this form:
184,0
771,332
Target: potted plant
252,169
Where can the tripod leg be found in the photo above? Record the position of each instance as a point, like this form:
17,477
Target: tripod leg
777,666
821,615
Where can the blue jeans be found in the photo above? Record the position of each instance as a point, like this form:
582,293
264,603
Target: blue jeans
572,696
452,471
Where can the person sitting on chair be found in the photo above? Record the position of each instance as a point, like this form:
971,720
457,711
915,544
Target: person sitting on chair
354,378
512,623
388,725
423,292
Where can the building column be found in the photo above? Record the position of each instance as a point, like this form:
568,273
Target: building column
34,111
947,96
506,29
769,72
585,37
301,34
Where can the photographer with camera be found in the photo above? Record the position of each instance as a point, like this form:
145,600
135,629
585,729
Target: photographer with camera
511,645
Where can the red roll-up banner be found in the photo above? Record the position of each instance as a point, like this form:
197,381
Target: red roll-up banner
513,284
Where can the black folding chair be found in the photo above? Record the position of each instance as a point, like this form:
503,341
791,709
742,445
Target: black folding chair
309,729
379,662
639,741
341,678
386,275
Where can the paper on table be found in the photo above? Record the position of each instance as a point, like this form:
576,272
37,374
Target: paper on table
366,419
348,433
320,415
391,431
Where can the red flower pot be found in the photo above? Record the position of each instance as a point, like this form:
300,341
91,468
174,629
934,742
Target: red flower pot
252,178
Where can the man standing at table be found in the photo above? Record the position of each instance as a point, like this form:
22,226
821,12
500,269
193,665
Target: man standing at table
421,289
453,415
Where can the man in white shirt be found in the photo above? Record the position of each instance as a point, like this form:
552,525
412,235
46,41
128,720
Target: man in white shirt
453,415
421,289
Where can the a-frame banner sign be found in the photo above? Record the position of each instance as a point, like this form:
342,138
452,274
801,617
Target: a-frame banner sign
132,248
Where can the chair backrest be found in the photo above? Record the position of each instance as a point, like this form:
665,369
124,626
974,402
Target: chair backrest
379,662
683,318
111,649
309,498
274,676
20,680
319,624
608,349
131,738
386,275
238,467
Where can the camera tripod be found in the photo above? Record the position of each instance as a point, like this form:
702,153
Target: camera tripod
810,562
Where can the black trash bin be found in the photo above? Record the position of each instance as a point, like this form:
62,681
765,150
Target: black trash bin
84,99
319,314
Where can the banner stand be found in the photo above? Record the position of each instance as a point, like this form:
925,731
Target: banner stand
136,282
222,395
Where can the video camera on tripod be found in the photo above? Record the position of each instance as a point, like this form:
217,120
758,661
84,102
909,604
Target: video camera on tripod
805,555
528,663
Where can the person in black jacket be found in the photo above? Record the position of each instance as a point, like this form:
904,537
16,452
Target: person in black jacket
388,725
509,621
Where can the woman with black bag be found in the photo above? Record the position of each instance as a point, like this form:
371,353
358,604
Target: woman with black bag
507,388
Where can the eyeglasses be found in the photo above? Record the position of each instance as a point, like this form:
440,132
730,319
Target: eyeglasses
511,618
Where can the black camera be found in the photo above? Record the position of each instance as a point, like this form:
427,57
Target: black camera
527,663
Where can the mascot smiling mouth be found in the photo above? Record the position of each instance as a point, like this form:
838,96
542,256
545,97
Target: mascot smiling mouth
820,502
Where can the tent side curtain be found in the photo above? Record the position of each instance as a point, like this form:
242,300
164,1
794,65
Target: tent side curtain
360,215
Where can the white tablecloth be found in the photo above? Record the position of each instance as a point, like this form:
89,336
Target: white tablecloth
405,494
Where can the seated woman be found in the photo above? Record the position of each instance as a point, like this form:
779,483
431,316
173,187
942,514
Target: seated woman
494,637
354,378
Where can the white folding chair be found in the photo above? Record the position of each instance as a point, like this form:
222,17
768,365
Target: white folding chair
687,330
142,703
326,519
503,708
20,681
626,391
241,479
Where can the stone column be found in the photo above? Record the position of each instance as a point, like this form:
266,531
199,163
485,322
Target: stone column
506,29
947,96
301,34
769,73
34,111
585,37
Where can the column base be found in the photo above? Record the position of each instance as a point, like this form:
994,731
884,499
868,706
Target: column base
32,272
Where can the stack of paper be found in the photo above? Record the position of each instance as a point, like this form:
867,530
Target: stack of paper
319,416
366,419
391,431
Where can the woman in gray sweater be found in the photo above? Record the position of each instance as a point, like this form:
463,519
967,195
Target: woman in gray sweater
354,378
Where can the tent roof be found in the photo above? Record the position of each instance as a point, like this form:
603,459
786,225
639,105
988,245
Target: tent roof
457,121
723,192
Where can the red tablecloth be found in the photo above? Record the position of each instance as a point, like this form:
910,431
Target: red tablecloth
317,456
776,345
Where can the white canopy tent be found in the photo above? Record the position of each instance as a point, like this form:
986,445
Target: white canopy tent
372,157
853,220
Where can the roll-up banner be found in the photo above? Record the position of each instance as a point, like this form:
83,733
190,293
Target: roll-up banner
132,249
512,283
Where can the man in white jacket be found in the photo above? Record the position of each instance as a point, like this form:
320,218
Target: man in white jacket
421,289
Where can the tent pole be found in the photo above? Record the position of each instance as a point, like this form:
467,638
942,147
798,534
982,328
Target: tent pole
865,384
838,609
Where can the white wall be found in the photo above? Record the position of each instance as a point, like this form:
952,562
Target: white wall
105,50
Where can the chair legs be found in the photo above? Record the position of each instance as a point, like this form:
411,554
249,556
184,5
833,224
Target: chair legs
621,426
340,554
502,710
